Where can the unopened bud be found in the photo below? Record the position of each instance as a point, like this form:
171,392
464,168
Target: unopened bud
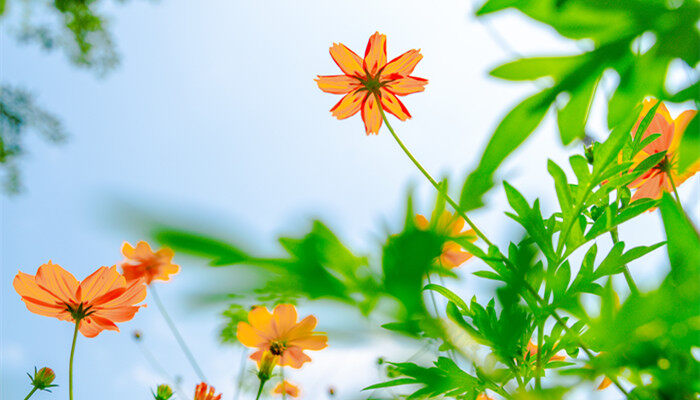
267,364
163,392
43,378
137,335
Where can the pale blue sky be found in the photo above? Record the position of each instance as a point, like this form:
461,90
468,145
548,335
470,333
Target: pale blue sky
214,114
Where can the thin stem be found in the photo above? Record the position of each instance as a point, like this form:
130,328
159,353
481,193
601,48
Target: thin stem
70,363
538,368
626,271
177,335
260,389
34,389
675,191
430,178
478,232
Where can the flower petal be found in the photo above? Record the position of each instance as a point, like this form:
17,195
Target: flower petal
403,65
349,62
393,105
303,328
285,317
311,342
58,282
261,319
422,222
249,336
375,54
349,105
337,84
371,115
294,357
407,85
679,126
99,283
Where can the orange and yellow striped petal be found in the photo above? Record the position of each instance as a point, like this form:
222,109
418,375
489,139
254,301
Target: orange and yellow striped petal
375,54
371,115
403,65
407,85
349,105
393,105
337,84
346,59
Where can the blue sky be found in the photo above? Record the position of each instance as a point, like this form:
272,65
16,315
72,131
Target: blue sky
213,115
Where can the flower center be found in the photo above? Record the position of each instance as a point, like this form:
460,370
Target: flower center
666,164
278,347
372,83
79,311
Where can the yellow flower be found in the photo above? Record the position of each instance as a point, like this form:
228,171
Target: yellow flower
287,388
280,334
452,253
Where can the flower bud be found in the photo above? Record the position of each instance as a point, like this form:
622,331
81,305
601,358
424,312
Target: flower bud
137,335
43,378
267,364
163,392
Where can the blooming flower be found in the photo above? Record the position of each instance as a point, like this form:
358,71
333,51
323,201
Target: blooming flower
205,392
367,79
532,352
449,225
287,388
279,334
97,302
658,179
142,262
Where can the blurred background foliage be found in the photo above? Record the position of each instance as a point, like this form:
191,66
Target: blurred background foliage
80,29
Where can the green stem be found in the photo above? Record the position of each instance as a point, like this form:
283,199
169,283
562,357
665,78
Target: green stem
70,363
626,271
538,369
430,178
486,240
177,335
675,191
260,389
31,393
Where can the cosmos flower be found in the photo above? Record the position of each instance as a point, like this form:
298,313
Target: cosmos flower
280,334
449,225
205,392
142,262
285,387
658,179
97,303
365,80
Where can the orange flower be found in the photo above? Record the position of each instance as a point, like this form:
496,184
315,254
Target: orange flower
281,335
142,262
449,225
532,352
287,388
97,302
366,80
653,182
205,392
483,396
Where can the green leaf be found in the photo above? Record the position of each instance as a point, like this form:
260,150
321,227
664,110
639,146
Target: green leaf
530,219
450,295
573,116
530,69
616,259
513,130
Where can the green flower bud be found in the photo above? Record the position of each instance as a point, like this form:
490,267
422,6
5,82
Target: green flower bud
163,392
43,378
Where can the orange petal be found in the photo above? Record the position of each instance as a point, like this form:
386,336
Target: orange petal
375,54
422,222
127,250
315,342
125,296
371,116
58,282
294,357
25,285
303,328
337,84
650,189
99,283
349,62
679,126
407,85
261,319
249,336
143,251
402,66
285,317
349,105
605,383
89,328
393,105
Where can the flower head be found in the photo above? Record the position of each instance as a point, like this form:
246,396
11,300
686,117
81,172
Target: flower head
658,179
449,225
205,392
99,301
281,335
287,388
142,262
43,378
163,392
532,351
366,80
